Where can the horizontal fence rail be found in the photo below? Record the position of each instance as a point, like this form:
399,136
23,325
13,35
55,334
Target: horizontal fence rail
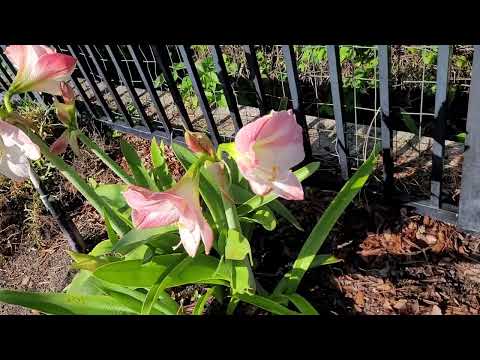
141,90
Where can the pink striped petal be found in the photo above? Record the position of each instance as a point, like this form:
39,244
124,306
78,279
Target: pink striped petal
54,66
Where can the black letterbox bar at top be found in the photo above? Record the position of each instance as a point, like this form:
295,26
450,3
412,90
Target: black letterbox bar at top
114,56
255,76
386,126
296,93
110,86
335,72
439,124
186,55
136,56
32,95
160,54
78,86
469,208
222,74
91,82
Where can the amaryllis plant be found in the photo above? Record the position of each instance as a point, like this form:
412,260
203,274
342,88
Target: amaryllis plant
162,233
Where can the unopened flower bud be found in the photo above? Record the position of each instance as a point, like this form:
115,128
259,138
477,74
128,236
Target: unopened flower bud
199,143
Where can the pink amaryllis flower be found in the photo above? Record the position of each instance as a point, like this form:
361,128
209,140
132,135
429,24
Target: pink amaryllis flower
16,149
266,149
180,205
67,114
39,68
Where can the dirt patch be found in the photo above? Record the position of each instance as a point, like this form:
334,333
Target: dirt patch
33,252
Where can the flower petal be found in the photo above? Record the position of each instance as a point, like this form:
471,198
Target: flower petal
54,66
13,137
153,209
17,54
288,187
190,238
247,135
16,169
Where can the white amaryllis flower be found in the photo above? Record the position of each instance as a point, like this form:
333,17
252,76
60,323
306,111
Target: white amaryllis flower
16,150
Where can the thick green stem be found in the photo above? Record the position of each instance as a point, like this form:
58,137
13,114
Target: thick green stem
102,155
71,175
233,222
6,101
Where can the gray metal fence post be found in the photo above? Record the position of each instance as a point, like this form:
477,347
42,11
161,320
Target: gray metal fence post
469,209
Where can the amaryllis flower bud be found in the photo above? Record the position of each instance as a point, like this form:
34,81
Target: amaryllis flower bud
67,93
199,143
180,205
67,114
266,150
39,68
16,149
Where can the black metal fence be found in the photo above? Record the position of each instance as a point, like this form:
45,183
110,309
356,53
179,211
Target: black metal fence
118,85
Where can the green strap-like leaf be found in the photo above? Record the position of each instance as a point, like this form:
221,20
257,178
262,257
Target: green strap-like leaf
262,216
291,280
281,210
237,246
133,273
200,305
66,304
302,304
257,201
160,285
321,260
160,172
140,173
266,304
137,237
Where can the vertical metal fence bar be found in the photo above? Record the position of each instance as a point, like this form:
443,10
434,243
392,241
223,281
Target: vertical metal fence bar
5,83
439,124
386,125
32,95
91,83
83,95
136,55
186,55
296,93
255,76
159,52
5,73
469,209
222,74
336,86
114,54
110,86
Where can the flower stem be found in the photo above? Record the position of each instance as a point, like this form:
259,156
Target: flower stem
233,222
71,175
6,101
102,155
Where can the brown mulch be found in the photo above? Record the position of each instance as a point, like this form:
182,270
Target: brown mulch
394,261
